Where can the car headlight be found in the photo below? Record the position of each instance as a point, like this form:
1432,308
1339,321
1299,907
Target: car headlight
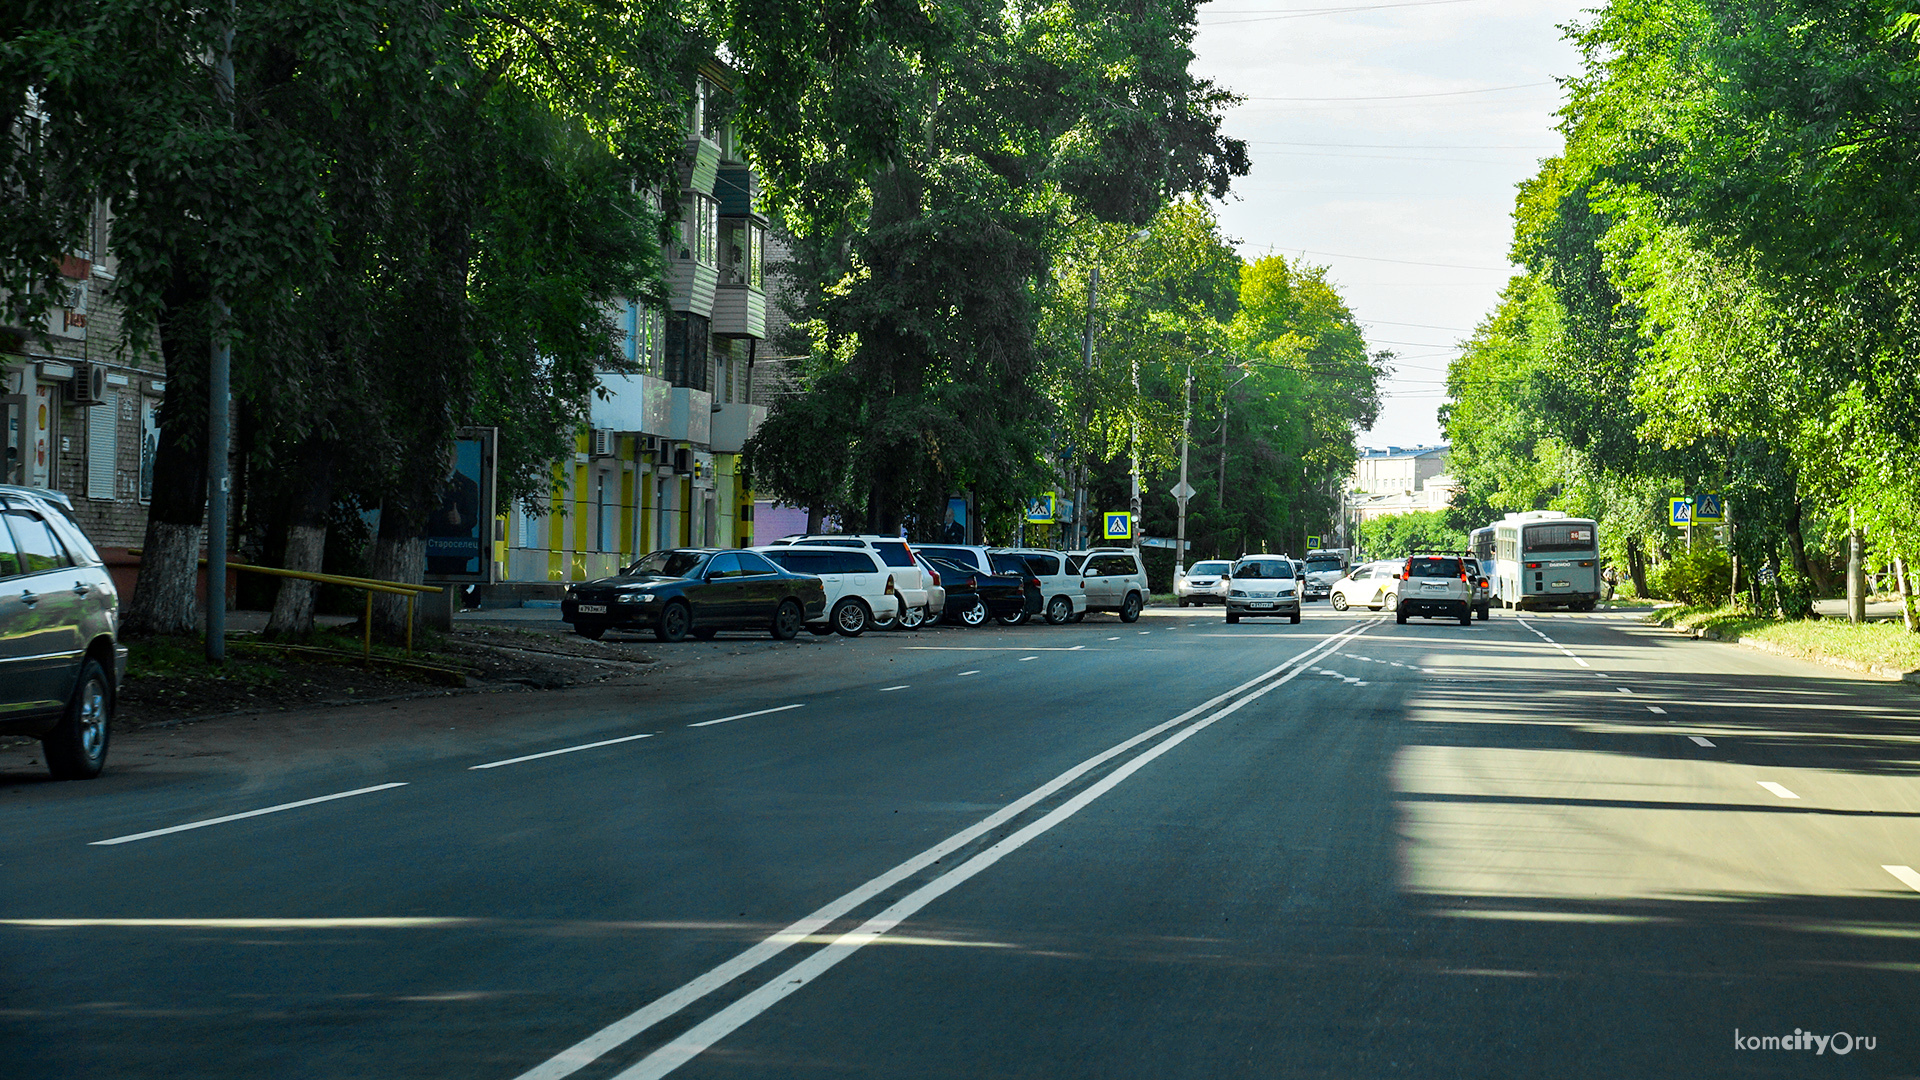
637,598
1238,592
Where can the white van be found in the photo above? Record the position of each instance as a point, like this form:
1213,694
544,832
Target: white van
893,551
862,591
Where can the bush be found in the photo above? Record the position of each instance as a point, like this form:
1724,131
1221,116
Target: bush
1701,576
1793,592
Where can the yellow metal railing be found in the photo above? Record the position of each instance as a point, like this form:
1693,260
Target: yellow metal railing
367,585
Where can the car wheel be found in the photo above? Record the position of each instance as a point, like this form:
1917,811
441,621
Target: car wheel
705,633
976,614
1059,610
850,617
77,748
1466,617
590,631
913,618
1481,614
1130,611
1015,619
786,621
1399,616
675,621
1339,601
1393,603
1295,620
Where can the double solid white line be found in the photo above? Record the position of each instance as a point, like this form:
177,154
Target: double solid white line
710,1031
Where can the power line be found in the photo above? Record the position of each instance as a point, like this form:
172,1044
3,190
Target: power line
1401,262
1405,97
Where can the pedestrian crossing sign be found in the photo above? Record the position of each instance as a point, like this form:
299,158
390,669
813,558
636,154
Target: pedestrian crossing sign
1709,509
1119,525
1313,543
1041,510
1679,511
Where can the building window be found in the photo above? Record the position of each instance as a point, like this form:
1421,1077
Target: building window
756,255
734,263
103,445
686,350
708,234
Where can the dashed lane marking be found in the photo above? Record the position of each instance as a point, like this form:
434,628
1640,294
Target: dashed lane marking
1702,740
975,671
237,817
744,715
562,750
902,686
1656,709
1777,789
1906,875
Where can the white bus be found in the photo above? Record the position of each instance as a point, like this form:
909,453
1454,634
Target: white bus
1543,558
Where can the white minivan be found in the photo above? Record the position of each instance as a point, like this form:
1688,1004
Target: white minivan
862,592
1063,595
891,550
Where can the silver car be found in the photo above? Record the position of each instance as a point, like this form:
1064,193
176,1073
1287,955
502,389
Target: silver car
1202,583
1264,586
61,661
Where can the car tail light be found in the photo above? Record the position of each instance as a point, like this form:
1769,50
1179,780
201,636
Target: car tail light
1034,581
973,583
935,574
1533,566
889,585
1586,562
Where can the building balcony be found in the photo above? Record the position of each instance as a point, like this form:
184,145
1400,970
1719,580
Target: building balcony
739,311
699,165
641,404
690,416
690,286
734,424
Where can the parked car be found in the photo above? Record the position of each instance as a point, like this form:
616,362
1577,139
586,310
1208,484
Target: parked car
1115,580
1006,562
1436,586
61,661
698,591
893,551
968,555
1063,594
1202,583
975,596
860,589
914,618
1261,586
1373,585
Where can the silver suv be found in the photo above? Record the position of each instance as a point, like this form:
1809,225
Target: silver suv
61,661
1115,580
1437,586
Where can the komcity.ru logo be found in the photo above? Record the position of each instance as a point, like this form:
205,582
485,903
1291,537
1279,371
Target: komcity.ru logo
1839,1042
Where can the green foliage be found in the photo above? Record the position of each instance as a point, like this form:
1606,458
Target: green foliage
1399,534
1793,594
1703,575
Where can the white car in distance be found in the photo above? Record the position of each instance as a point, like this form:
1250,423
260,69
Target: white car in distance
1373,585
1201,583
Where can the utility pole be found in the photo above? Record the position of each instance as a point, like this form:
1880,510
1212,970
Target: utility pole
1856,572
219,399
1133,455
1183,492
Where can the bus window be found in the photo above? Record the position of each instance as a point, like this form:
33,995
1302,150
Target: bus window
1573,536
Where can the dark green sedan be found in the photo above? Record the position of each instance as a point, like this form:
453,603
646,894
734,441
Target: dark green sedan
697,591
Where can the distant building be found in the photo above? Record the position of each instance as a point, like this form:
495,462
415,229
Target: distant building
1399,480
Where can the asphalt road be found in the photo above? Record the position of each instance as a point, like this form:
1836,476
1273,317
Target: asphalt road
1555,846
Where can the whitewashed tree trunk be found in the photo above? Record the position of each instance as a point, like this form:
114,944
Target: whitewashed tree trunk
164,600
293,604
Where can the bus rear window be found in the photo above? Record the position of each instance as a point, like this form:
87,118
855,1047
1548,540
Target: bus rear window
1569,537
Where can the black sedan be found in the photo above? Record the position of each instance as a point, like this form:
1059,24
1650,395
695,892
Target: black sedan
698,591
973,596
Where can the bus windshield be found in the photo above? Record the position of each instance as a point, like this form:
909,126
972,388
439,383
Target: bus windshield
1568,536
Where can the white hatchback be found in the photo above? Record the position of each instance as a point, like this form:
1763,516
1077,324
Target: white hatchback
862,593
1374,585
1063,596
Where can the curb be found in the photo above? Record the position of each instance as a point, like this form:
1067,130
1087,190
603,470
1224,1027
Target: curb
1891,674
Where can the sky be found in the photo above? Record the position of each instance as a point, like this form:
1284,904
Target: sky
1387,137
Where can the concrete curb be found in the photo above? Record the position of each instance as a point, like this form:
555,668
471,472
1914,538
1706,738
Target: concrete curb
1891,674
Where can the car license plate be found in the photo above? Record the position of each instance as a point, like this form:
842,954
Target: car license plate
1563,584
1437,585
592,609
1261,603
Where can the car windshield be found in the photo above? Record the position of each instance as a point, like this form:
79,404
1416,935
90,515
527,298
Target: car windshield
1207,568
668,564
1264,568
1318,565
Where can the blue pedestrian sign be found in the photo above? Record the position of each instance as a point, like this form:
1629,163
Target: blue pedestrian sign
1119,525
1679,511
1042,510
1709,509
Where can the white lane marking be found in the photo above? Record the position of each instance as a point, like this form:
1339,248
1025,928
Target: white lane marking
1024,659
1776,789
1146,631
378,922
975,671
723,1023
1701,740
744,715
1656,709
624,1030
1076,648
993,648
889,689
1906,875
237,817
1623,689
551,753
1581,662
1113,639
1397,663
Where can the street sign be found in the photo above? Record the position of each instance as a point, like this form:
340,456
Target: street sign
1157,542
1313,543
1679,511
1709,509
1119,525
1184,491
1043,509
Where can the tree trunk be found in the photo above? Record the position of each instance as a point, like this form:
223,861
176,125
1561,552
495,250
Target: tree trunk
400,553
1637,566
306,539
1856,577
1797,547
1906,595
164,600
816,518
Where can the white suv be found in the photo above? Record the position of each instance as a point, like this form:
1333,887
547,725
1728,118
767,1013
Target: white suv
1063,598
1115,580
893,551
862,593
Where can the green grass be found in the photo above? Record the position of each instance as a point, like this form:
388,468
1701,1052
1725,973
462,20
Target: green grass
1886,644
166,658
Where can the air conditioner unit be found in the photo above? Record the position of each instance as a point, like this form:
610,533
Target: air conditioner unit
683,461
603,444
89,385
